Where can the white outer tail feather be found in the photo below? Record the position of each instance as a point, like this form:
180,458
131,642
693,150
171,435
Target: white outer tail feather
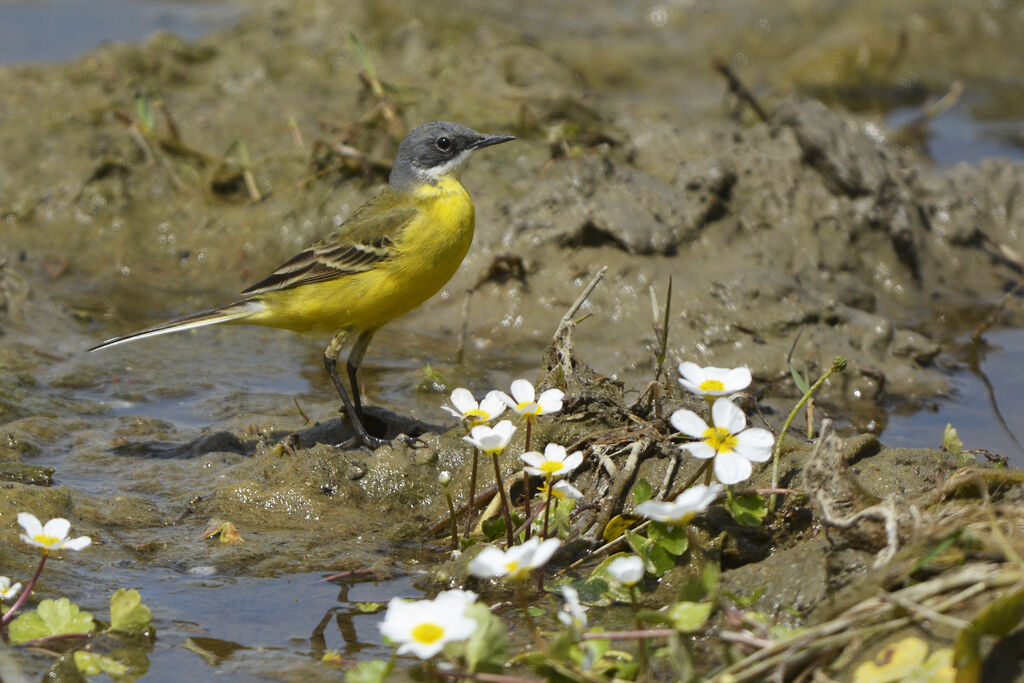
241,309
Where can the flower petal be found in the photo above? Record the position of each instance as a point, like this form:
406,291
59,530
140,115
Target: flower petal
551,401
657,510
727,415
505,429
698,449
493,404
731,468
532,458
523,391
567,490
463,400
488,562
691,372
572,461
689,423
30,523
737,379
544,552
506,399
628,569
698,498
77,543
58,527
554,451
755,444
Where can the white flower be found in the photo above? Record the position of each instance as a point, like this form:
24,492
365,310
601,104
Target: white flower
515,563
686,506
729,442
627,569
422,627
524,400
554,462
563,489
712,381
7,591
491,439
572,614
473,413
52,536
444,477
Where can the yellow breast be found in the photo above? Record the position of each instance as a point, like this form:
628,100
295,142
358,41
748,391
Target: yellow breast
428,251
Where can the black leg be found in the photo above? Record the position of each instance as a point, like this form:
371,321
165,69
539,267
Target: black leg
355,359
355,413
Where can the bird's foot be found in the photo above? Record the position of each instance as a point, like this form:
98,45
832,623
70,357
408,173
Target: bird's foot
363,441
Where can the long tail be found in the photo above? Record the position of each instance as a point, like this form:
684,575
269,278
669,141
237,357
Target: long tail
240,309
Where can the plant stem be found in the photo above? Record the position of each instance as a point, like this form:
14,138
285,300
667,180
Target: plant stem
547,507
451,514
639,627
838,365
526,476
472,492
505,507
9,614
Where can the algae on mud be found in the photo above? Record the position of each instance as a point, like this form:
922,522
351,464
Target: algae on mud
814,220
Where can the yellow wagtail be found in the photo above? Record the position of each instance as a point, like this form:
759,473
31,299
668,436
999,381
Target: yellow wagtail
392,254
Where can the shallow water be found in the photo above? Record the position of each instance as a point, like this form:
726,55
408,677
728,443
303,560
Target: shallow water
55,30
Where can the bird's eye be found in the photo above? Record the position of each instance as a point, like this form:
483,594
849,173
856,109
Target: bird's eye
443,143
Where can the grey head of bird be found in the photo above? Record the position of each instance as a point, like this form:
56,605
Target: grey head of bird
434,150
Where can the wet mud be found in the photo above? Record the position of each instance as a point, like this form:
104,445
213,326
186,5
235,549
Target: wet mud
143,182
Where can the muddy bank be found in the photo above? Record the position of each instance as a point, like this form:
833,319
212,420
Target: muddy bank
815,226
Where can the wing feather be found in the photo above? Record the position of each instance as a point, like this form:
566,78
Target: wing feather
361,243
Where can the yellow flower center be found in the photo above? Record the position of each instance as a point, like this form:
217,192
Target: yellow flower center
720,439
549,467
46,540
427,633
475,416
684,519
711,385
527,408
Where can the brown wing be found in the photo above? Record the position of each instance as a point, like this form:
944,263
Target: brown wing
366,239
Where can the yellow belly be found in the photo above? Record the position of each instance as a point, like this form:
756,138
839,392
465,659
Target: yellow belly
428,252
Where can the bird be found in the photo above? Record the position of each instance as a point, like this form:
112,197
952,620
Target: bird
392,253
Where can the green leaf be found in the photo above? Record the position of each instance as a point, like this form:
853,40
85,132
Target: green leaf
50,618
748,510
127,613
487,649
601,589
144,113
711,577
595,591
616,526
641,491
689,616
371,671
745,600
563,517
656,559
369,607
672,538
493,527
1000,617
951,442
92,664
798,378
